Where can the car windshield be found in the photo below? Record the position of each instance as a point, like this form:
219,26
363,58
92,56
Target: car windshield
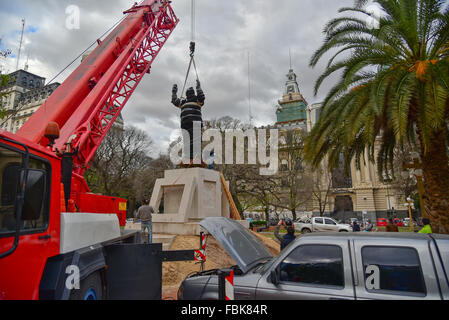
266,266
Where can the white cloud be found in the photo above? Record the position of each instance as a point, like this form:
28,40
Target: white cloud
226,32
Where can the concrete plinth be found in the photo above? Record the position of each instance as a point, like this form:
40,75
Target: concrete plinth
189,196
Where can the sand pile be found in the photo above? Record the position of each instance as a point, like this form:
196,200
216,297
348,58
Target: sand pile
173,273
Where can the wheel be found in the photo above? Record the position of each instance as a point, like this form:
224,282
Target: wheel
343,231
304,231
91,288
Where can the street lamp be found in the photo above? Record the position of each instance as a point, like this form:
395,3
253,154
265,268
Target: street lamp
416,168
410,206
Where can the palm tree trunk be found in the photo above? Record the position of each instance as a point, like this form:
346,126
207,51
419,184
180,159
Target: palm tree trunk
435,167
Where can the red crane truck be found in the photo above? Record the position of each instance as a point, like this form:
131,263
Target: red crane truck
49,220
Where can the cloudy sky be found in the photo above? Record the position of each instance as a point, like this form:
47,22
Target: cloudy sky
225,32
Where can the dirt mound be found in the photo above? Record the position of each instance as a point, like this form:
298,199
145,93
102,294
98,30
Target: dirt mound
271,244
173,273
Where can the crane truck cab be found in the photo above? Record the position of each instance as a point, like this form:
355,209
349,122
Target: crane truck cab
51,226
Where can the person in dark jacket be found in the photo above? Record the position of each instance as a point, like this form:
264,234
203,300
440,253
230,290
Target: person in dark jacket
355,227
289,237
190,113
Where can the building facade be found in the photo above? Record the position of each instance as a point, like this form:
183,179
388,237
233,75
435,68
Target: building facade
24,94
360,193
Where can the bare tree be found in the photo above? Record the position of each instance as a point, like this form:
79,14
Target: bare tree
295,182
119,160
321,188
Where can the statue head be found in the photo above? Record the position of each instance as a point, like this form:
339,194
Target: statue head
190,94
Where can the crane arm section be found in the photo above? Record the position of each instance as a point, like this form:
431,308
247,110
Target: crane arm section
88,102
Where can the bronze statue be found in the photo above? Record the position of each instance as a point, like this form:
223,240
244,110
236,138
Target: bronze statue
190,113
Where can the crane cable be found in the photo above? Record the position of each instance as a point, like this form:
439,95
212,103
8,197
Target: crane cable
192,49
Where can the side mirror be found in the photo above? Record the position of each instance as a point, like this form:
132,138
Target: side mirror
274,279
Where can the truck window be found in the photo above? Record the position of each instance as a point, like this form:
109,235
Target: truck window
319,220
35,209
314,264
399,270
330,221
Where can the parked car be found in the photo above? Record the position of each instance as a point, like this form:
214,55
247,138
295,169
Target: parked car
398,222
381,222
328,266
322,224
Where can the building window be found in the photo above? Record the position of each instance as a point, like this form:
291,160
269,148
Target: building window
284,165
318,265
399,269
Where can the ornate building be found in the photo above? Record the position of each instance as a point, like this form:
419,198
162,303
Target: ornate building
292,109
25,93
361,193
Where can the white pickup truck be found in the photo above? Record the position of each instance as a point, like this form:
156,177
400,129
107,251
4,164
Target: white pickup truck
321,224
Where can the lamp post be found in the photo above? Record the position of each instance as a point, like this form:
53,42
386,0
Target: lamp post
387,181
416,166
410,205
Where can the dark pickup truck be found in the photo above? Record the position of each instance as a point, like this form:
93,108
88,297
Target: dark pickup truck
328,266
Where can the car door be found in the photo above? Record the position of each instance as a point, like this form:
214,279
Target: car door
311,269
330,225
394,269
318,225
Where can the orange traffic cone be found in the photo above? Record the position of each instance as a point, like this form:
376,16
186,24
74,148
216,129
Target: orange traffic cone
63,209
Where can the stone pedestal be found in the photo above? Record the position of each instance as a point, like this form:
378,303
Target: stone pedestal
189,196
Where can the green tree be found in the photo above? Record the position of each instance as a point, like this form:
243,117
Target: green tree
4,80
393,84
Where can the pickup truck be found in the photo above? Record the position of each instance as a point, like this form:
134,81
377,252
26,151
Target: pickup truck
328,266
321,224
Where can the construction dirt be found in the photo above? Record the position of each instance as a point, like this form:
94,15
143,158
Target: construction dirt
173,273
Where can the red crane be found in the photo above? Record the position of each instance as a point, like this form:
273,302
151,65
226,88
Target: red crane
57,143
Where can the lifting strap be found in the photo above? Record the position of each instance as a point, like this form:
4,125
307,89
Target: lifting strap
192,61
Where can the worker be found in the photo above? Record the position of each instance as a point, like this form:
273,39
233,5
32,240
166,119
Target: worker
289,237
211,165
427,228
190,113
145,214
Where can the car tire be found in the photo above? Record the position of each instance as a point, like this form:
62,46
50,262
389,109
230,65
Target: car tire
343,231
91,288
304,231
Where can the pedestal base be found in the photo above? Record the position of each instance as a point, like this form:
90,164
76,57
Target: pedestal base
188,196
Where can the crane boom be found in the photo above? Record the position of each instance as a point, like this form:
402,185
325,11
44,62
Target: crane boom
88,102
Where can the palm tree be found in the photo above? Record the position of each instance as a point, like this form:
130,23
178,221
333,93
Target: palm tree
393,91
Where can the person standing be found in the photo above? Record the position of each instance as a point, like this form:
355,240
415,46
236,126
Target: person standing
369,227
145,213
289,237
427,228
355,227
